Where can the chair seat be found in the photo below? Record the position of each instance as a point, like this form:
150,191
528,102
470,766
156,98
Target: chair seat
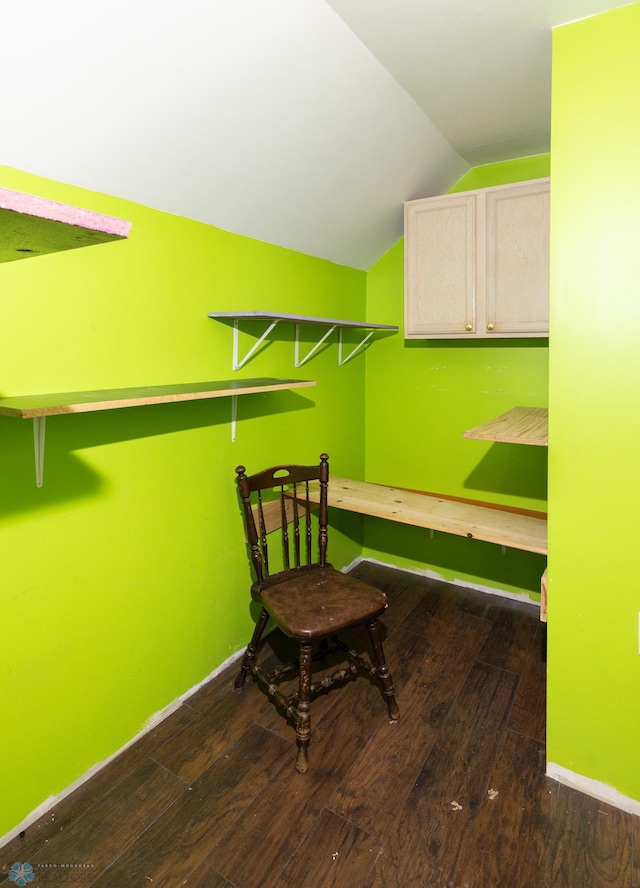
321,601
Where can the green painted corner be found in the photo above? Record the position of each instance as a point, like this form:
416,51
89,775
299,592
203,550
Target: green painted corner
505,172
593,661
125,578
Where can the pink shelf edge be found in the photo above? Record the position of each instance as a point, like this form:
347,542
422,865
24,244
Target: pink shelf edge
59,212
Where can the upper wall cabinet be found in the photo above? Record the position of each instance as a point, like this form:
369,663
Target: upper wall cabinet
477,263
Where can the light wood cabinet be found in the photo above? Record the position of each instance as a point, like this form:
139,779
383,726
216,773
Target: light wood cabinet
477,263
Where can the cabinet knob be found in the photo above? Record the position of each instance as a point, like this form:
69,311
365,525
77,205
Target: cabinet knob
468,327
489,326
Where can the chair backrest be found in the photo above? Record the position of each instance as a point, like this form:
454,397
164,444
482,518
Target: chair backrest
279,497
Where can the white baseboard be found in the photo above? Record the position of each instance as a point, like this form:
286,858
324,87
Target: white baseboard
151,723
433,575
593,788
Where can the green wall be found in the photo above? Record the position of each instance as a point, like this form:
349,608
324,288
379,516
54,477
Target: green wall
422,394
125,579
594,484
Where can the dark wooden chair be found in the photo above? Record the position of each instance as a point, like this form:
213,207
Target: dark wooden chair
310,601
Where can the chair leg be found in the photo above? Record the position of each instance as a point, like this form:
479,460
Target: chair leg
302,714
383,672
252,647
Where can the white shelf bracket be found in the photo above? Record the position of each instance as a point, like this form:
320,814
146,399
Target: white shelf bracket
38,447
237,363
300,361
343,360
234,416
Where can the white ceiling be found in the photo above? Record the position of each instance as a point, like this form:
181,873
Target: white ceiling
481,71
304,123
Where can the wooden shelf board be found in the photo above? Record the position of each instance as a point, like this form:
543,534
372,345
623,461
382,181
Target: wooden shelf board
32,406
521,425
295,319
34,226
490,524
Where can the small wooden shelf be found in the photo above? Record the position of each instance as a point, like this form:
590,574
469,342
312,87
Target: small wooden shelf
34,226
521,425
274,318
32,406
38,407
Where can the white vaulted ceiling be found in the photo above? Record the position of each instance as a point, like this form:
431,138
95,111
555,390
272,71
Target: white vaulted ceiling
303,123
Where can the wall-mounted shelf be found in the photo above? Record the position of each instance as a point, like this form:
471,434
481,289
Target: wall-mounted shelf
272,319
38,407
480,521
33,226
521,425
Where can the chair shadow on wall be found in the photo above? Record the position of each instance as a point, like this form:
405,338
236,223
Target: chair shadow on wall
68,476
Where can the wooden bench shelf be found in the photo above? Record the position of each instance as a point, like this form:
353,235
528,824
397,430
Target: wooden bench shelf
490,523
34,226
38,407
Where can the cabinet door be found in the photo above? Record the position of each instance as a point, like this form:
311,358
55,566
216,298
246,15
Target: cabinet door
517,287
440,266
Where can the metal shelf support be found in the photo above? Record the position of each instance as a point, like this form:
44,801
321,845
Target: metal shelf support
300,361
237,364
273,318
234,417
343,360
38,447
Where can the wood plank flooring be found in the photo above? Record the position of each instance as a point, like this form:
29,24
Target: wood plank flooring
453,795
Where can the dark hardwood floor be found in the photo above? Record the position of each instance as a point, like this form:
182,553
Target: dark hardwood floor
453,795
